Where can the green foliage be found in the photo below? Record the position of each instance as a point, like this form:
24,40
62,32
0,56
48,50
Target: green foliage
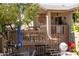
76,17
8,13
74,50
11,13
30,12
77,53
75,27
72,27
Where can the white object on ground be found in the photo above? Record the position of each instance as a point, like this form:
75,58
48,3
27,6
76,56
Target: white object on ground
63,48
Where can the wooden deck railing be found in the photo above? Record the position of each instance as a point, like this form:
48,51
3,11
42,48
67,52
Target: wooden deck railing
34,37
29,37
39,38
62,29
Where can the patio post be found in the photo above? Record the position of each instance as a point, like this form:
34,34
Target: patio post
70,24
36,23
19,37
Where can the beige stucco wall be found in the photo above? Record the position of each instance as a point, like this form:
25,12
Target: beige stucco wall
63,14
67,14
52,14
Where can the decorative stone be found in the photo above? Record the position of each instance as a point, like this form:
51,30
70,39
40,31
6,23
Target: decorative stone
63,46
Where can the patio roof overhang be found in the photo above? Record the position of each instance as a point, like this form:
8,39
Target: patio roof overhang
59,7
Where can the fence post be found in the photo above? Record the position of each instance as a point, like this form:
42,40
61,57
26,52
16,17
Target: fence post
19,37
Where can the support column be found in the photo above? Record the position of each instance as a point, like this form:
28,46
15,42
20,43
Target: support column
70,24
36,23
48,22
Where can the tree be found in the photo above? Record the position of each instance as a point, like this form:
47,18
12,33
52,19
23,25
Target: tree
17,14
75,22
30,12
27,14
75,27
76,15
8,14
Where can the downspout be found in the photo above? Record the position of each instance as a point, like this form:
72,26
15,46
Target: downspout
48,26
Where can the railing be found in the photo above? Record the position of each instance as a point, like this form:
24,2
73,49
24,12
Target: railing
38,39
62,29
34,37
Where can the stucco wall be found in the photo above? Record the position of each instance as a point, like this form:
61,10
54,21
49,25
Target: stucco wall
66,16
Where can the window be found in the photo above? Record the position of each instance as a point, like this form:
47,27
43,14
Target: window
58,21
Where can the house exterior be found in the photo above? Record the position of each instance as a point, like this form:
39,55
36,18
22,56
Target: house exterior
56,21
52,26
